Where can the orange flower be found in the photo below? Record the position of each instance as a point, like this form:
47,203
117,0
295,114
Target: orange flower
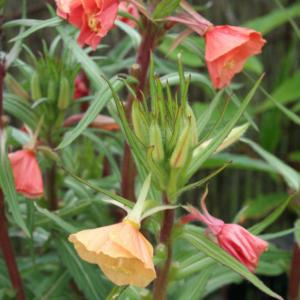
27,174
94,18
120,250
227,49
130,9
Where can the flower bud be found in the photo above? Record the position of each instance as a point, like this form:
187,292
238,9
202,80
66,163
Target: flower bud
35,87
64,94
51,94
156,141
139,123
194,131
16,88
182,149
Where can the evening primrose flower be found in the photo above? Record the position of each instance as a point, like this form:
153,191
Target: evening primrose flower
94,18
232,238
121,251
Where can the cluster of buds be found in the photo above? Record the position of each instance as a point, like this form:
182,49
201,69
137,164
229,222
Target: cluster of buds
168,131
51,81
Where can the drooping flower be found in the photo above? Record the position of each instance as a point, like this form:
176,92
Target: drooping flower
130,9
94,18
120,250
227,49
233,238
27,174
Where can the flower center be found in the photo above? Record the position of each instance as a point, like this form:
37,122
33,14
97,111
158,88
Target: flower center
230,64
93,23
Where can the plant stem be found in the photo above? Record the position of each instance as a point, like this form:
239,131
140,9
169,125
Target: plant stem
5,242
161,283
294,282
8,253
143,61
51,187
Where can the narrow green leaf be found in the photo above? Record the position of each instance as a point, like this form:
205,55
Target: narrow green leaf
134,35
95,108
165,8
65,226
197,285
271,218
276,18
209,248
219,138
290,175
20,110
53,22
100,190
87,277
8,186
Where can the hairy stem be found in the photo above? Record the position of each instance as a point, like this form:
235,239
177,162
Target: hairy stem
143,61
161,283
294,282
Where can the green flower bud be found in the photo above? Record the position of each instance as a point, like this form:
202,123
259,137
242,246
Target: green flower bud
51,94
139,122
16,88
35,87
156,141
182,149
64,94
192,119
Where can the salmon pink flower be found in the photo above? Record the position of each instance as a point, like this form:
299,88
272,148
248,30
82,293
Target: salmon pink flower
227,49
120,250
233,238
27,173
94,18
130,9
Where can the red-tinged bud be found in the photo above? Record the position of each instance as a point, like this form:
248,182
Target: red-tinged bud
27,174
130,9
81,89
233,238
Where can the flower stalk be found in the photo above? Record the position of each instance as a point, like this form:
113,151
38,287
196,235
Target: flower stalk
161,283
143,61
5,242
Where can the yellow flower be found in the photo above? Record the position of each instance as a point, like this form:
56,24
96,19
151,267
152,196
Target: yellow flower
120,250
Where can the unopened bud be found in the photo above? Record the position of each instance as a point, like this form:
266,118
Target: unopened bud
192,119
35,87
234,135
181,152
156,141
139,122
64,94
14,87
51,94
